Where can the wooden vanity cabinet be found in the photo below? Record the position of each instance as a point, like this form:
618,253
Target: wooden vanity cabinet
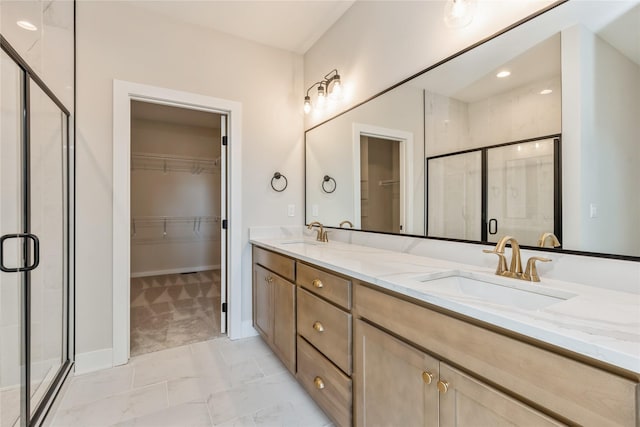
399,385
490,378
324,328
274,303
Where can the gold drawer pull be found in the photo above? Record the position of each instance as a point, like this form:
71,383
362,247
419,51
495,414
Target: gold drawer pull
443,386
318,326
317,283
319,383
427,377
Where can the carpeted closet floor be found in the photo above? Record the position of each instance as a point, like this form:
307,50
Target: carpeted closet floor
173,310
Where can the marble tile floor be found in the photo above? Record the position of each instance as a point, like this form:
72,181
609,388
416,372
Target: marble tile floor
212,383
173,310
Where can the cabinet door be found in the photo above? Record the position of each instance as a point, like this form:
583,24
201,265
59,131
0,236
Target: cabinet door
284,330
465,401
263,301
394,383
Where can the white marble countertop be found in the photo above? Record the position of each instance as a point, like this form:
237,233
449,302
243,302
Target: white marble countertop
601,324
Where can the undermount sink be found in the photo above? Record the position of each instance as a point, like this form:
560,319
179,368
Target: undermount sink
300,242
525,295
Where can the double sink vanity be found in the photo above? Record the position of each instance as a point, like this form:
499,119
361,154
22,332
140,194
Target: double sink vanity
379,337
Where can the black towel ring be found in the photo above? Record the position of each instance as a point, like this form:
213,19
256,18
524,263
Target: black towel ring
277,176
328,179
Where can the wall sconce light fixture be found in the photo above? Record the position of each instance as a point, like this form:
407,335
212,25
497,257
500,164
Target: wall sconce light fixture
330,86
459,13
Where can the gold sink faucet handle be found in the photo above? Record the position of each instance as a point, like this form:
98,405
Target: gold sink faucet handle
321,235
502,261
531,272
346,222
543,240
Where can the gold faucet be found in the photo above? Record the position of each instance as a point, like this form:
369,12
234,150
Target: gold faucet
515,269
349,223
322,234
543,240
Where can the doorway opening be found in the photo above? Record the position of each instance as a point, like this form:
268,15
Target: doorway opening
231,236
383,174
177,204
380,180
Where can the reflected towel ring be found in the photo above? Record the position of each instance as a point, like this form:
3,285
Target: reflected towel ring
328,179
277,176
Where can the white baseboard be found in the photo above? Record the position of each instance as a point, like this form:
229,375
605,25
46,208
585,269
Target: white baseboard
247,329
94,361
175,271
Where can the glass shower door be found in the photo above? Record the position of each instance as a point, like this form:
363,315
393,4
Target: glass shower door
12,366
48,196
521,191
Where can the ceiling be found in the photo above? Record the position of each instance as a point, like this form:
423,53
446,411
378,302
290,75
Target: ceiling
293,25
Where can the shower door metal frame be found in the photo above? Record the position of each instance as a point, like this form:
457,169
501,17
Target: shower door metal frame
27,418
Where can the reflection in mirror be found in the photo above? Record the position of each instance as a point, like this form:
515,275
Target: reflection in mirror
571,74
521,191
375,154
455,196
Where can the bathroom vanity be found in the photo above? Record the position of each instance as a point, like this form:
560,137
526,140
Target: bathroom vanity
389,338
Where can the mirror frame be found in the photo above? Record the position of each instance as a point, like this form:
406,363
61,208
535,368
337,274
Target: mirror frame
419,73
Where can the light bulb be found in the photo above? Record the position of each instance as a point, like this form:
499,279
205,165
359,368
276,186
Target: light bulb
502,74
26,25
546,91
307,105
321,97
459,13
336,92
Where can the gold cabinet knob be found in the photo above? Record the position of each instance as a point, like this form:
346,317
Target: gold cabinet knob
318,326
427,377
268,279
317,283
443,386
318,382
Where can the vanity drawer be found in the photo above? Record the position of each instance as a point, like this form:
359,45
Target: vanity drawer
329,387
326,327
279,264
334,288
579,392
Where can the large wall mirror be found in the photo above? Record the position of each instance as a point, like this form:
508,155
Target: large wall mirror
534,131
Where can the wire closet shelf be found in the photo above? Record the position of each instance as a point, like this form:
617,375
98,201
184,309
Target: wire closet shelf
157,162
172,229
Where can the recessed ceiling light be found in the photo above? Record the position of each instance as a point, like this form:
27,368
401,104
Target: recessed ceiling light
27,25
545,91
503,74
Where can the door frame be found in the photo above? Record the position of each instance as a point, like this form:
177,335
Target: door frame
406,170
123,93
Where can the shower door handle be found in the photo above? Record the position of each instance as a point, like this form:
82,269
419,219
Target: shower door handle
493,222
36,252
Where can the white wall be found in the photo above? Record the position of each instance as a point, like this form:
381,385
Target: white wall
116,40
189,245
379,43
330,152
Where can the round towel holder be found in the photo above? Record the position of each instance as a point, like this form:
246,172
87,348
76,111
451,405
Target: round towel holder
276,179
329,184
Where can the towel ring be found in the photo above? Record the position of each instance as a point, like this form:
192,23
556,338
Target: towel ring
276,177
328,179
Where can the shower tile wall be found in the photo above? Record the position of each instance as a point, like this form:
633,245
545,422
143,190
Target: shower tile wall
173,310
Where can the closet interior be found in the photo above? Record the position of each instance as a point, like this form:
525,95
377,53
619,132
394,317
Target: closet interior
175,226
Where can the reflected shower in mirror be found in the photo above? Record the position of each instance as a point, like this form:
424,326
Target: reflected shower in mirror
533,131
